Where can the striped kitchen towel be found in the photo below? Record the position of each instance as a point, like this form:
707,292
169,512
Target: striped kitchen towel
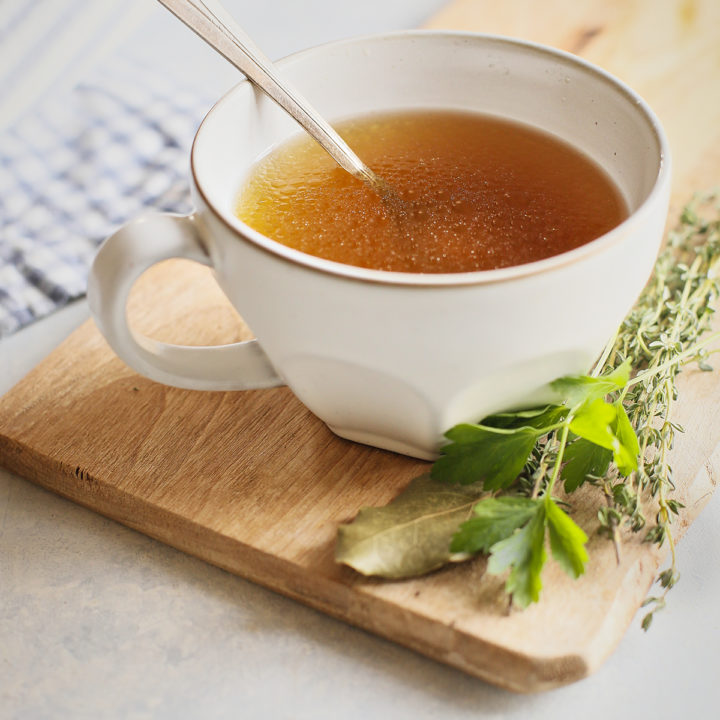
78,164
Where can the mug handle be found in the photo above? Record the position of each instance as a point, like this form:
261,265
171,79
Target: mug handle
122,258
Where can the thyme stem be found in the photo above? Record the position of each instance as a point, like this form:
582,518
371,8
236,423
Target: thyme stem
678,359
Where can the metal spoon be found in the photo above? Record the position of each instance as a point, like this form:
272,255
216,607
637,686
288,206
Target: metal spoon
210,20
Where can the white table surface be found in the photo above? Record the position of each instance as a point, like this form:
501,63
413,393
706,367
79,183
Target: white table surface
98,621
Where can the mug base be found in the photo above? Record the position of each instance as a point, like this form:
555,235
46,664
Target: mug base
385,443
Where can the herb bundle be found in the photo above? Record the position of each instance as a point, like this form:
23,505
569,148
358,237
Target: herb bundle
492,490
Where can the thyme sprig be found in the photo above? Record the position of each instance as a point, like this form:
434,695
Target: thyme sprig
665,330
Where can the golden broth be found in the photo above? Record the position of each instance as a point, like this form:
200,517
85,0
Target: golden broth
478,192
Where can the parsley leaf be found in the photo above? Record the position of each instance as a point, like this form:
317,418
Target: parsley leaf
567,540
524,553
477,452
540,418
579,389
495,519
523,550
584,459
628,451
608,426
594,421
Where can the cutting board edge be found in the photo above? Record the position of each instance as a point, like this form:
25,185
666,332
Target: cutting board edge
358,607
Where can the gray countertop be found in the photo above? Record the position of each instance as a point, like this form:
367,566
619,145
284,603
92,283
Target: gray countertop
99,621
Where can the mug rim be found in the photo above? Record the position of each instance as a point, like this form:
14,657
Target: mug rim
473,277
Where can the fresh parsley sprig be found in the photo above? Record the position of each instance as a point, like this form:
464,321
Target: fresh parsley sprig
513,530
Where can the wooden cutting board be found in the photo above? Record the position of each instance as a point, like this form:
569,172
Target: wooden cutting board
253,483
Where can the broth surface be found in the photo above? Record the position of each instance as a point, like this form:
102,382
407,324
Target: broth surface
478,192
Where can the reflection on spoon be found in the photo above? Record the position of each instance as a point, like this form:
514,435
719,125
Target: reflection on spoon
210,20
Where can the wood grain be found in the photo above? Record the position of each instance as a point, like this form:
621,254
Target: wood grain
253,483
666,50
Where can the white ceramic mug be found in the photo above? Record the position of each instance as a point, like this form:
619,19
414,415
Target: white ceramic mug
395,359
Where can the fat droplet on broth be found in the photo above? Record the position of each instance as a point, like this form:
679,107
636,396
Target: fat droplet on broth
477,192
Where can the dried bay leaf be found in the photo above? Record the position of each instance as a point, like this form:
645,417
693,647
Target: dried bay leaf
410,536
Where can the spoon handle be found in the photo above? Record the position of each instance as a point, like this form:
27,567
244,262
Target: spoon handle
210,20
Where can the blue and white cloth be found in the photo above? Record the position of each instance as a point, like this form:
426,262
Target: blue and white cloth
77,165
